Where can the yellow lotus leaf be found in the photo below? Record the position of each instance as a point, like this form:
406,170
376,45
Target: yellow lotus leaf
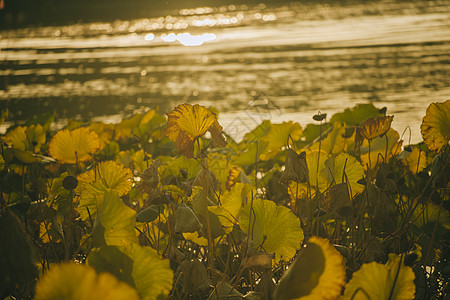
186,123
372,128
435,126
230,204
26,138
279,136
2,162
334,142
220,166
416,160
318,272
354,171
272,228
377,281
114,224
71,281
379,149
108,175
104,131
74,146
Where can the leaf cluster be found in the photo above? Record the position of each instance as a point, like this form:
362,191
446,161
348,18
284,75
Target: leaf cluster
172,207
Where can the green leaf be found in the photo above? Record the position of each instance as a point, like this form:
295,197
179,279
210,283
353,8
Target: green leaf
274,229
115,222
17,261
279,136
107,175
152,275
112,260
356,115
354,171
139,266
377,281
149,214
70,281
230,205
318,272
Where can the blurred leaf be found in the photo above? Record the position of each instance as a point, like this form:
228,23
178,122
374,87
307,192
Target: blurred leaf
376,281
149,214
273,228
195,276
26,138
318,272
70,281
224,290
186,220
435,126
356,115
279,136
17,258
112,260
340,203
334,142
26,157
416,160
385,147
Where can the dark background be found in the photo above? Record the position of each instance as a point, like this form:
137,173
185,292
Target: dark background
25,13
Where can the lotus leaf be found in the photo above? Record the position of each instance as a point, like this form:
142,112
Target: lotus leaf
115,222
336,165
377,281
435,126
372,128
230,204
70,281
186,123
416,160
381,148
74,146
26,138
318,272
92,184
279,136
274,229
139,266
356,115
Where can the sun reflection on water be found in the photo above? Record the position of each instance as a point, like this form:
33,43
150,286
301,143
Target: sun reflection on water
187,39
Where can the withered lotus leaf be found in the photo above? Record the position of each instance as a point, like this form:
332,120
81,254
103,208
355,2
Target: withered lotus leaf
372,128
435,126
296,168
186,123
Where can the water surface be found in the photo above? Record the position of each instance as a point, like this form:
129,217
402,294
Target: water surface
251,62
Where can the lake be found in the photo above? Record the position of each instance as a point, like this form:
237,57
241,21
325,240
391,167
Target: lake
251,62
